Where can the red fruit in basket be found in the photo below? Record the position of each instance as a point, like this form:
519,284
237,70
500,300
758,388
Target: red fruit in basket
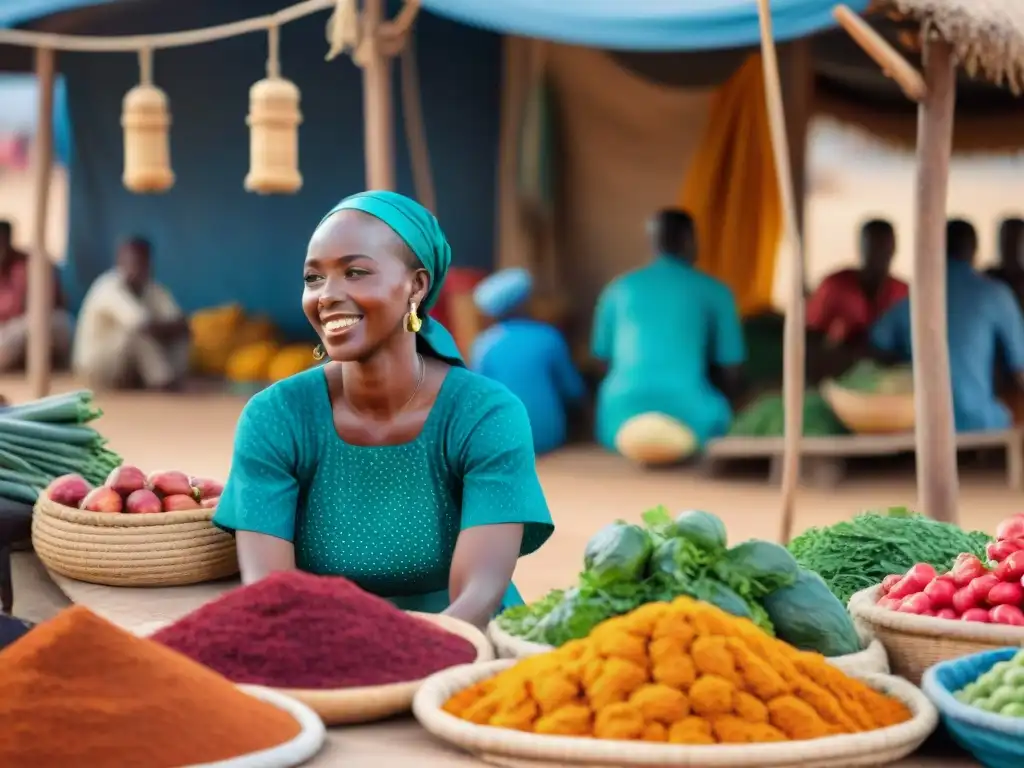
1007,614
888,603
966,568
947,613
1006,593
964,600
103,499
209,503
940,591
918,604
1012,568
142,502
976,614
126,479
998,551
179,502
170,483
981,586
889,582
1011,528
68,490
206,488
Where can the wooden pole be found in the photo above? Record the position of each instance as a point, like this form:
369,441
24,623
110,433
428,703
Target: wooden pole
39,356
377,102
937,482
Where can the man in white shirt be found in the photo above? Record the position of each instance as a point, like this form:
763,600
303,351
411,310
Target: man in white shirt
131,332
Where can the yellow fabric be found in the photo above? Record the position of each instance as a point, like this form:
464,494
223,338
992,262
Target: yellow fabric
732,192
654,439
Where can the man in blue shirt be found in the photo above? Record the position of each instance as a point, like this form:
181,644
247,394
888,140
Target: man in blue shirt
665,331
984,322
529,357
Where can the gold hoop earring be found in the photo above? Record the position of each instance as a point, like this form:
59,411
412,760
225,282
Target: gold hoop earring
413,323
318,352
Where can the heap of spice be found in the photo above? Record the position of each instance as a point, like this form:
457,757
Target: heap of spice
78,691
684,672
296,630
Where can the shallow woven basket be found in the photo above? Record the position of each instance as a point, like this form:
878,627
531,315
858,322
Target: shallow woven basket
864,413
519,750
915,643
871,660
167,549
365,705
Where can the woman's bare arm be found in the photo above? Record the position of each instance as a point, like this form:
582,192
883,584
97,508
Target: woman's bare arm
260,555
485,559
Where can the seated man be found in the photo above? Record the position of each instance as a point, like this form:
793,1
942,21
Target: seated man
531,358
983,319
1010,269
847,303
131,333
13,300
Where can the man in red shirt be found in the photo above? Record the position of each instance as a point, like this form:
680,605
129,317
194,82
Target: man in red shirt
13,298
847,303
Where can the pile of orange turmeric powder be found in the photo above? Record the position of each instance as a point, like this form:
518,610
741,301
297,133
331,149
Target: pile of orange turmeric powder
78,691
684,673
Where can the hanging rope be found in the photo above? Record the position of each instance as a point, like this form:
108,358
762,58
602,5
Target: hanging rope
146,66
273,52
343,31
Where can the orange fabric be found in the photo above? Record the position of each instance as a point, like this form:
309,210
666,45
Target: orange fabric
732,192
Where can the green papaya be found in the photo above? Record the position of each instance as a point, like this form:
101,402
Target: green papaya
702,528
618,552
808,616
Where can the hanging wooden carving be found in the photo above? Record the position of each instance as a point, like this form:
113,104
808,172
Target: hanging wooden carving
146,119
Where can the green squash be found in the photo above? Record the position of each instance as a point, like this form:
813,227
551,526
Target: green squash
757,568
617,553
808,616
702,528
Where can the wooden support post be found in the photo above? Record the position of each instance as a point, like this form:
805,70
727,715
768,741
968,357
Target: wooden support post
378,110
937,483
39,353
797,70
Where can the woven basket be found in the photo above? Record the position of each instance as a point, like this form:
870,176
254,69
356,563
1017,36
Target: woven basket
872,660
365,705
865,413
513,748
915,643
167,549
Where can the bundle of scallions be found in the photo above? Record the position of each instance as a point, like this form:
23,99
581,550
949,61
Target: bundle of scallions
46,438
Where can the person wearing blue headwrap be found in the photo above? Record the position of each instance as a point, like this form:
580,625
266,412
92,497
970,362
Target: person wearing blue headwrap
529,357
392,464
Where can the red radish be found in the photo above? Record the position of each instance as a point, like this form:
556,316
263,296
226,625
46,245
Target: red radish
966,569
929,612
915,580
888,603
1011,528
922,573
1007,614
918,604
1000,550
1012,568
964,600
947,613
940,591
1007,593
975,614
889,582
981,586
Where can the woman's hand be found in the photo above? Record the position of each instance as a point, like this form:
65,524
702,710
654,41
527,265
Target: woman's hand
260,555
485,559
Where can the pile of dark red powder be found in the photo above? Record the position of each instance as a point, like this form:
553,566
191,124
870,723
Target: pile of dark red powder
295,630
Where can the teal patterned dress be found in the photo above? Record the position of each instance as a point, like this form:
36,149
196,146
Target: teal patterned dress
386,517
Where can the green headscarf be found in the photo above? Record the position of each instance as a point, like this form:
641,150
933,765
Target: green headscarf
420,230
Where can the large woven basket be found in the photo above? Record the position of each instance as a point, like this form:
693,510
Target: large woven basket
871,660
499,746
915,643
167,549
866,413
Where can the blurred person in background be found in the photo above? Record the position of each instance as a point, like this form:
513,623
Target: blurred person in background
13,306
673,344
1010,267
529,357
131,332
984,322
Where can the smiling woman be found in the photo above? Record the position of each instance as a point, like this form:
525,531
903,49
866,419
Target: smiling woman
391,465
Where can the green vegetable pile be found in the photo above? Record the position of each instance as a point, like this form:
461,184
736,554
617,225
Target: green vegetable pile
627,565
870,377
859,553
44,439
1000,690
766,417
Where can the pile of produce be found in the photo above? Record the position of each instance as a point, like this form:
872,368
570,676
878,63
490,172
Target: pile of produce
626,566
683,673
1000,690
296,630
1009,539
860,553
118,700
969,592
47,438
870,377
766,417
128,489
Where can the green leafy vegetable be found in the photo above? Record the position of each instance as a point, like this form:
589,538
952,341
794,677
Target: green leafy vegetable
618,552
859,553
757,568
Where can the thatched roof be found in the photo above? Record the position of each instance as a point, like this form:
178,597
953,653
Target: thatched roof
987,35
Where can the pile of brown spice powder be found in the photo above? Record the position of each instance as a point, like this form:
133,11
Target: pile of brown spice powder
296,630
78,692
